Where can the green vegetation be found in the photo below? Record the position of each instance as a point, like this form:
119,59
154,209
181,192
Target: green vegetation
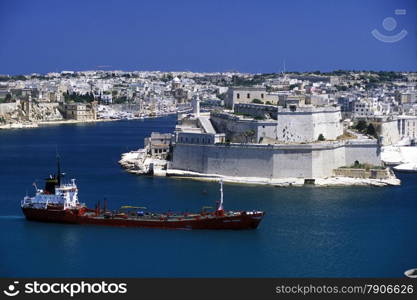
15,77
363,127
74,97
120,100
346,136
370,130
257,101
167,77
8,98
341,87
367,167
221,96
249,135
321,137
255,80
360,126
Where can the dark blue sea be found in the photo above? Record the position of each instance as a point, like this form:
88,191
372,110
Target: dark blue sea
307,232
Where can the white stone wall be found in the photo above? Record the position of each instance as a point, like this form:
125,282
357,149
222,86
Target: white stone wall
279,161
393,131
407,127
241,95
292,163
363,152
235,128
324,161
232,161
195,138
7,108
389,132
305,124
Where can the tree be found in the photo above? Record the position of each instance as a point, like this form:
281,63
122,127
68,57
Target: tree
370,130
8,98
257,101
361,125
321,137
249,135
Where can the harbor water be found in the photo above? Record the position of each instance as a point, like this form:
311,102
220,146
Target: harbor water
307,232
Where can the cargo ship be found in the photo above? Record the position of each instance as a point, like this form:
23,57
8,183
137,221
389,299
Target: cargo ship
58,203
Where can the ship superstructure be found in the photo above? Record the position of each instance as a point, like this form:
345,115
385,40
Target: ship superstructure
55,194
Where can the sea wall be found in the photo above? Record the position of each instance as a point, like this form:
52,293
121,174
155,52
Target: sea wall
272,161
366,151
362,173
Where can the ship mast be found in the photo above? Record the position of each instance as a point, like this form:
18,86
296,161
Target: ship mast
58,169
220,208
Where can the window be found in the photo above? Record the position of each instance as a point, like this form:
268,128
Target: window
262,96
248,96
237,96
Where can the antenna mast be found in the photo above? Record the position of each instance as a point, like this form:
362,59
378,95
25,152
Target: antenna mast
220,208
58,169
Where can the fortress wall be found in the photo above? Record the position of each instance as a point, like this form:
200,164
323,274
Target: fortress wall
239,161
281,161
329,124
389,132
292,163
363,152
306,124
295,129
266,130
235,129
232,128
325,160
189,158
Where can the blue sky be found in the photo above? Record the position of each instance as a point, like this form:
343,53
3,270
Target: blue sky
248,36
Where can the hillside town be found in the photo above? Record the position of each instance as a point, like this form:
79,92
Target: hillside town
325,122
292,129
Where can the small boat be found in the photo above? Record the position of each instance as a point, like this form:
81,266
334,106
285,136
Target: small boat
58,202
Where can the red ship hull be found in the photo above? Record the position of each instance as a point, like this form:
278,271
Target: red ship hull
242,220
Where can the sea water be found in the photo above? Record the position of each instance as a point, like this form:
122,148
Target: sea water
307,231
